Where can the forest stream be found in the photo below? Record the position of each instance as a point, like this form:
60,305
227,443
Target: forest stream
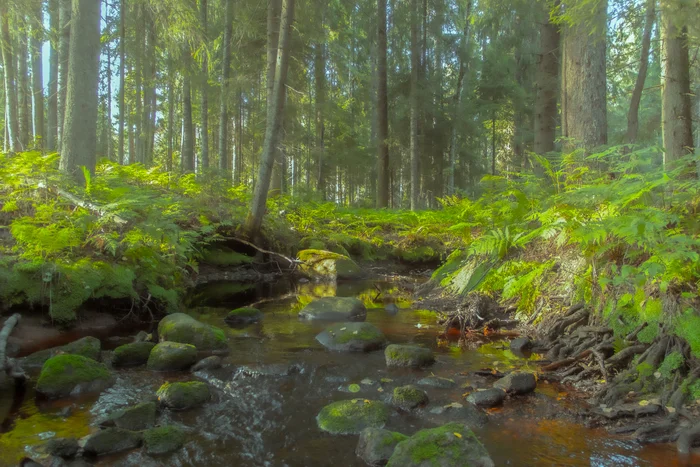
277,377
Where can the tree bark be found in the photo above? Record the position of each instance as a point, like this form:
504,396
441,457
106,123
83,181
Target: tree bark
224,157
52,116
64,18
463,67
584,102
238,166
38,75
273,34
274,122
320,82
547,86
382,111
633,113
10,81
204,156
171,118
122,79
80,123
24,93
140,120
415,65
187,152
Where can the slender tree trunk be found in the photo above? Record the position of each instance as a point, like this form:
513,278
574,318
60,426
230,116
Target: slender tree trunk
320,82
204,156
187,153
463,67
171,118
64,18
415,64
38,75
238,168
383,185
122,78
547,86
10,81
273,25
224,157
109,96
140,120
80,124
25,97
584,99
52,117
633,113
677,123
274,122
150,94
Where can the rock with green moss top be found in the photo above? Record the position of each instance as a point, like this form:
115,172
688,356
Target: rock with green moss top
437,382
110,441
243,316
163,439
133,354
409,397
70,375
419,254
63,447
352,337
451,445
89,347
172,356
182,328
183,396
408,356
324,265
377,445
136,418
352,416
334,309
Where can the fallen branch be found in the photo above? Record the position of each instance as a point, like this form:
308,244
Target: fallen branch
567,361
82,203
292,262
601,363
633,335
4,335
625,354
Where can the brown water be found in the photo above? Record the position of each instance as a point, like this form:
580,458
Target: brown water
277,378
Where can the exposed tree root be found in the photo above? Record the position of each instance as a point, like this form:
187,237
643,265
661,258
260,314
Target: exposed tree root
7,365
688,439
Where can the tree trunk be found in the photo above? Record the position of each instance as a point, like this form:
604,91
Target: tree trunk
584,102
547,86
274,122
224,157
122,79
633,113
64,18
171,118
415,64
138,80
676,118
10,80
24,93
382,111
80,123
238,168
204,157
463,62
273,34
150,95
38,75
320,81
52,117
187,152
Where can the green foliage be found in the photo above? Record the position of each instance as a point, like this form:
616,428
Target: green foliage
671,363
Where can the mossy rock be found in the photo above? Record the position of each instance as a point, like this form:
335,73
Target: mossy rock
111,440
517,383
183,396
69,375
133,354
352,337
225,257
172,356
334,309
182,328
437,382
89,347
163,439
488,398
243,316
63,447
136,418
409,397
327,266
376,445
408,356
209,363
450,445
352,416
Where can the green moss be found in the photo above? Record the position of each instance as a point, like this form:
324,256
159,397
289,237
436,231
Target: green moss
351,417
245,311
365,333
168,356
408,355
395,438
164,439
184,329
225,257
694,389
671,363
181,396
136,353
688,327
62,373
409,397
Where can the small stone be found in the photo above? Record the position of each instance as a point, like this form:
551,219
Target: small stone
133,354
517,383
111,440
243,316
352,337
172,356
334,309
182,328
391,308
437,382
408,356
409,397
210,363
521,344
69,375
488,398
136,418
183,396
142,336
163,440
63,447
376,445
352,416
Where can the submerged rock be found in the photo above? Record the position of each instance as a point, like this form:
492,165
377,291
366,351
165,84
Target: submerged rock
183,396
163,439
243,316
521,344
408,356
171,356
391,308
377,445
488,398
409,397
87,347
352,416
111,440
352,337
453,444
209,363
335,309
184,329
437,382
517,383
69,375
63,447
136,418
133,354
327,266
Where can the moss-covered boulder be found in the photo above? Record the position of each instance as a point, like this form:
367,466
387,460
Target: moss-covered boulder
352,337
172,356
437,382
243,316
377,445
136,418
324,265
409,397
517,383
334,309
488,398
163,439
182,328
210,363
110,441
89,347
408,356
134,354
69,375
183,396
352,416
450,445
63,447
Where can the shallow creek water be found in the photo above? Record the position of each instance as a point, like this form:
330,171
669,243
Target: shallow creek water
277,378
